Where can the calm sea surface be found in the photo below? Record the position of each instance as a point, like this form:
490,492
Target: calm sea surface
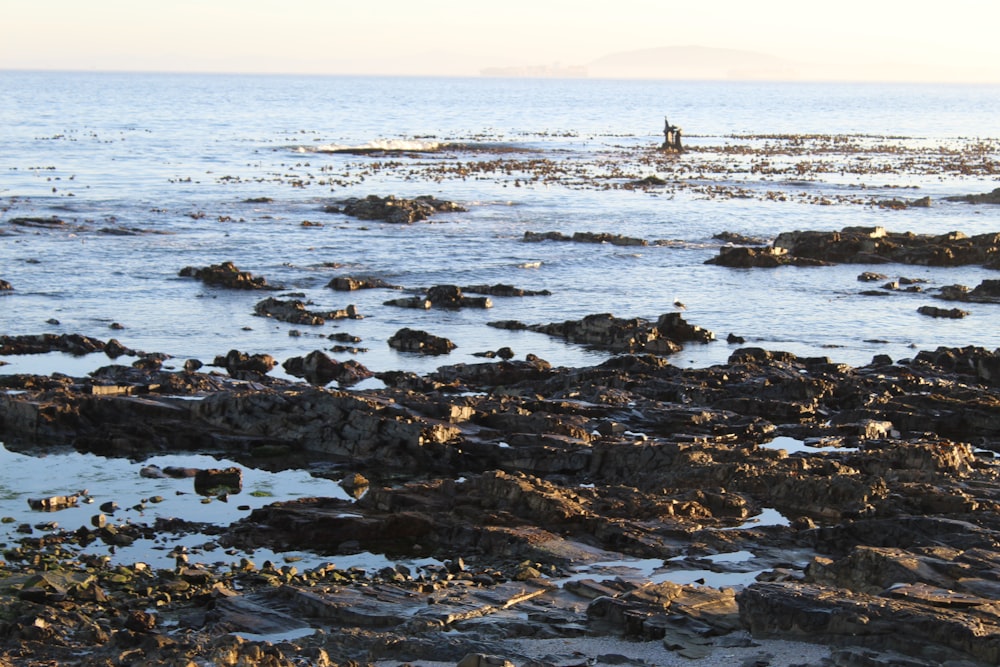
168,163
153,173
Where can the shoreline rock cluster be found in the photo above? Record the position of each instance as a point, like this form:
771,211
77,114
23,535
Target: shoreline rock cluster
515,476
865,245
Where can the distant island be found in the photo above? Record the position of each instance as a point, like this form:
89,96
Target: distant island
537,72
706,63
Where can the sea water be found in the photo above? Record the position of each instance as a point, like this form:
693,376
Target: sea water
151,173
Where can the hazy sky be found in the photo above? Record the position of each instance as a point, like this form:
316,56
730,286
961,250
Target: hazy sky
954,41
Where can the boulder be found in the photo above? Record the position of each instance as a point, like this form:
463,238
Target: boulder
227,275
414,340
393,209
295,312
236,362
319,369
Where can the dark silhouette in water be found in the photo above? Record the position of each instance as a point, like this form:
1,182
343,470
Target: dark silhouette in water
671,137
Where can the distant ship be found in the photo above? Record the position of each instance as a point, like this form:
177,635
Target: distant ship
537,72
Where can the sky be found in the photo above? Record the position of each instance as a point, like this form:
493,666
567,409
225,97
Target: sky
859,39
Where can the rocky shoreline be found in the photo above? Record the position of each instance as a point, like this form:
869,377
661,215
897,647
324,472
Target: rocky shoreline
526,483
703,511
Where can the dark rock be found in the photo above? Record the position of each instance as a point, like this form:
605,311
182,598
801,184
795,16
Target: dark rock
392,209
317,368
866,245
949,313
347,284
212,481
988,291
585,237
413,340
226,275
620,335
504,290
235,362
37,222
992,197
6,286
295,312
42,343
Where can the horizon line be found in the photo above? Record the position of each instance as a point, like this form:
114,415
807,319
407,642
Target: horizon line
494,77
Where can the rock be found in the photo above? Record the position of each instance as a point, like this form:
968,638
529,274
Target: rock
413,340
317,368
504,290
585,237
236,362
949,313
6,286
53,503
42,343
295,311
392,209
620,335
866,245
992,197
674,327
988,291
227,275
347,284
213,481
442,296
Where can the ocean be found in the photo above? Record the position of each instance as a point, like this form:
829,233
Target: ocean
151,173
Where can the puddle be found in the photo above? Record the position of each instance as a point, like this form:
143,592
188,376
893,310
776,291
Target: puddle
767,517
657,570
141,500
810,446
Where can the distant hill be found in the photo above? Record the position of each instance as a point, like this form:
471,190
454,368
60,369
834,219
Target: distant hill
692,62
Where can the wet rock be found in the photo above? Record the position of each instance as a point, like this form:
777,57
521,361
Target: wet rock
393,209
348,284
988,291
42,343
295,311
317,368
947,313
414,340
674,327
819,614
627,335
236,362
6,286
585,237
227,275
735,238
213,481
504,290
442,296
992,197
31,221
866,245
53,503
740,257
